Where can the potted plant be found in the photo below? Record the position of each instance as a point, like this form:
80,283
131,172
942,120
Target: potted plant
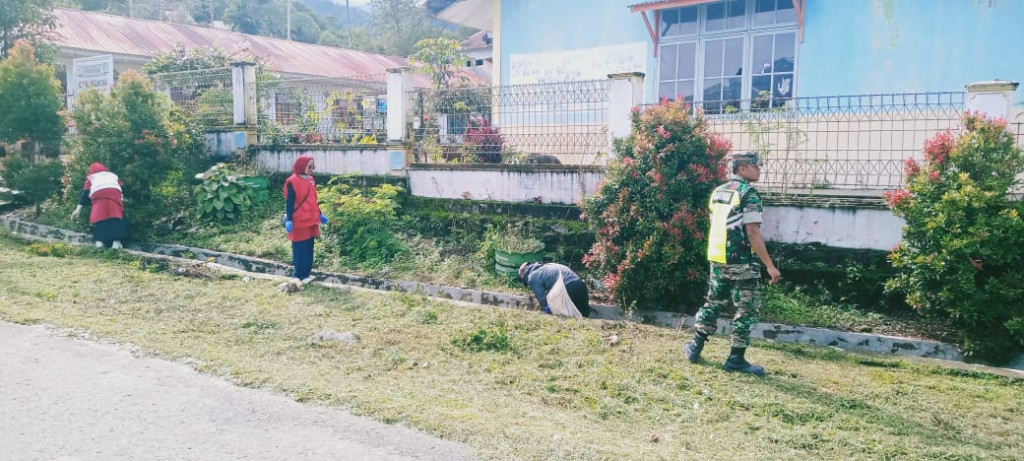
251,173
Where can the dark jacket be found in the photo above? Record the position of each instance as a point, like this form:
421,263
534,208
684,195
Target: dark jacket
542,277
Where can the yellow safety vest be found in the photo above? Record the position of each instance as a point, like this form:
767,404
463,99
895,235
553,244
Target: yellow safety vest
722,202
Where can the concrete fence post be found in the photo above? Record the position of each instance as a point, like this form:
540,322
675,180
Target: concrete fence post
625,92
243,92
399,103
992,98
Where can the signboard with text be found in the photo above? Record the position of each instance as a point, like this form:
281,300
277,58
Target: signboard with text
95,72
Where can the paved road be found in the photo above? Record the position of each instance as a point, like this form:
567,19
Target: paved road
63,398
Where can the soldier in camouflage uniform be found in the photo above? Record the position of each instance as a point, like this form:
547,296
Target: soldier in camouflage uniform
734,240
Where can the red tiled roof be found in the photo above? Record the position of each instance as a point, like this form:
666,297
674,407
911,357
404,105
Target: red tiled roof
138,37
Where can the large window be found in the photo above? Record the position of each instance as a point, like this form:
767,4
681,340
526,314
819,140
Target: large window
730,55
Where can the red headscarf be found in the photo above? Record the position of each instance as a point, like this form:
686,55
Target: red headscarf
299,168
97,167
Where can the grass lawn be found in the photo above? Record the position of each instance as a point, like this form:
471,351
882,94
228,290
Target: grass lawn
259,234
518,385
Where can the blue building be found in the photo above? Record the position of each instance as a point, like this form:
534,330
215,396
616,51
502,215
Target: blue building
761,50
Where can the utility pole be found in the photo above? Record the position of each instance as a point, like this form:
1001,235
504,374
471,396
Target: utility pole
289,20
131,9
348,24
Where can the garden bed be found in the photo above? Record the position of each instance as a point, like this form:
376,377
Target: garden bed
459,260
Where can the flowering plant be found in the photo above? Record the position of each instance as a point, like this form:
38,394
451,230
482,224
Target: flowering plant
962,254
650,216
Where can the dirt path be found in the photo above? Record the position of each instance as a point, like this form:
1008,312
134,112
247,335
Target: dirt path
62,398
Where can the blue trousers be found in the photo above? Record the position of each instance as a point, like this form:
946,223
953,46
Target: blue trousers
302,258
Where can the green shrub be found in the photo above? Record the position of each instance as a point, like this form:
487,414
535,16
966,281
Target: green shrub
35,182
840,275
222,197
154,148
962,254
30,98
364,224
650,215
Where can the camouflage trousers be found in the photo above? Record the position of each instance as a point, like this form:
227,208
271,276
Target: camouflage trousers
736,284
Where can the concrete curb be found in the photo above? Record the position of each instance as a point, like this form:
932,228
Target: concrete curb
859,342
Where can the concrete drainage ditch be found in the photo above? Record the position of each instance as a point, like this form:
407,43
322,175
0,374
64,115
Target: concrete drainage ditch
850,341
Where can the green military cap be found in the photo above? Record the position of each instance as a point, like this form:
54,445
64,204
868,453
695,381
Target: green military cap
747,158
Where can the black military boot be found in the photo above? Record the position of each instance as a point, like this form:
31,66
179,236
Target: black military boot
695,347
736,362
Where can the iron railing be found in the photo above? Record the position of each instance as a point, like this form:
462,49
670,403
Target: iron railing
845,144
1015,124
206,94
543,123
348,110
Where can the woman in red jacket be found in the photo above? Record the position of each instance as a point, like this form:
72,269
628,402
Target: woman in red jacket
302,215
103,191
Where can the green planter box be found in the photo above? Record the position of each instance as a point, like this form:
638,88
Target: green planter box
510,272
515,260
260,187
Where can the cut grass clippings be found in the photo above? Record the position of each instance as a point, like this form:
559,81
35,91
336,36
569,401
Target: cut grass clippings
518,385
259,234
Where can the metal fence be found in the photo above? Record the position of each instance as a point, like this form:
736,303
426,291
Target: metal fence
206,94
349,110
1015,124
846,143
543,123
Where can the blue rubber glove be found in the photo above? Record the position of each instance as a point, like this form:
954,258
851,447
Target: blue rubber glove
323,219
288,226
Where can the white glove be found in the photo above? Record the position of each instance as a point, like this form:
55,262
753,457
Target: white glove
74,214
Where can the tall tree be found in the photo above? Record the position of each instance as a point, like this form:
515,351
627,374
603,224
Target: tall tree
441,58
176,11
305,27
329,38
24,20
269,18
257,17
399,24
30,96
207,11
435,6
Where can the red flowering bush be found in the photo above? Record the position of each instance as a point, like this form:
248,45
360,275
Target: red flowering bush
962,254
487,139
650,216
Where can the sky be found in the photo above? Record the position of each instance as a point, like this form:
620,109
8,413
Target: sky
361,4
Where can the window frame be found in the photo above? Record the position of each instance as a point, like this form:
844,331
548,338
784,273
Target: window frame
747,33
697,66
